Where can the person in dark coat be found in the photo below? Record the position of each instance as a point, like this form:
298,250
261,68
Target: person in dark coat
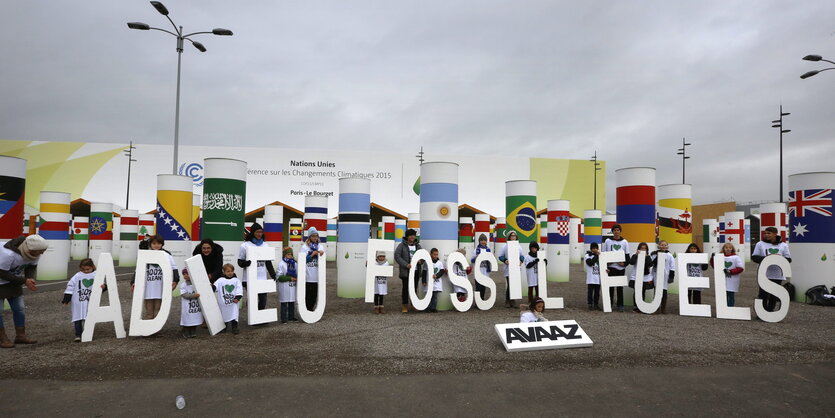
403,256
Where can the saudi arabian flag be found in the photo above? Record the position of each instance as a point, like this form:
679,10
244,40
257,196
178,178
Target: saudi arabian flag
521,217
223,209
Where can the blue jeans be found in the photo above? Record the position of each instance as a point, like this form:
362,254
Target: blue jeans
79,327
433,302
731,298
288,311
17,311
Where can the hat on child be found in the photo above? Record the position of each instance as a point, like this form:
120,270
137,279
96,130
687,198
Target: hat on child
287,250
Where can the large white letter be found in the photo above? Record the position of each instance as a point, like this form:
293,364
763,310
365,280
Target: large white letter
773,288
550,303
372,270
605,281
723,311
460,281
686,281
648,307
143,327
255,287
420,304
514,277
98,314
315,315
208,301
485,280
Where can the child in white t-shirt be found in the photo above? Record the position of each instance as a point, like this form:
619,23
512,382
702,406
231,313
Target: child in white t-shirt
733,268
534,313
438,272
229,292
664,261
79,289
286,283
461,271
380,284
190,313
592,260
531,263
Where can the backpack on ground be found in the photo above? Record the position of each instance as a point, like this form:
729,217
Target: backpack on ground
819,295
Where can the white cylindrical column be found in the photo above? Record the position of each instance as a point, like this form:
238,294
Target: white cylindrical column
147,226
575,243
13,186
465,235
811,231
274,226
129,243
387,229
101,229
330,252
607,221
592,228
710,236
353,227
501,239
117,235
439,215
735,233
773,214
55,229
78,248
558,250
414,223
224,204
543,234
675,220
481,227
173,218
196,205
636,204
296,225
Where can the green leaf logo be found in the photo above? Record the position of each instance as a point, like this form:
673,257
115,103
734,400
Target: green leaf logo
416,187
346,255
823,257
87,282
559,252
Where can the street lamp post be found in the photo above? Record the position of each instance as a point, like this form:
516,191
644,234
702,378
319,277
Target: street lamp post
816,58
129,153
178,33
683,152
596,169
779,125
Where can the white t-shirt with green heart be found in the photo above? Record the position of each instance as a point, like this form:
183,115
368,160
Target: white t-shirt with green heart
80,287
764,249
611,245
226,290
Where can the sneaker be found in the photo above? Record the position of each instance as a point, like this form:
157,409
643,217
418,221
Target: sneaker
620,308
591,307
284,321
597,307
77,339
235,331
185,334
294,320
636,310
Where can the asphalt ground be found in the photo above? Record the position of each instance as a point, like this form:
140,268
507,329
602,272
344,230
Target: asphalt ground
356,362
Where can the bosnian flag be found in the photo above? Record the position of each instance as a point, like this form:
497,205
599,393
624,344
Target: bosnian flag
810,216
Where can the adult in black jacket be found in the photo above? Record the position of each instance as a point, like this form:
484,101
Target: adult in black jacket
403,256
212,255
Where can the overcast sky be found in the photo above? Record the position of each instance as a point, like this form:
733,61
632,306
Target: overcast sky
523,78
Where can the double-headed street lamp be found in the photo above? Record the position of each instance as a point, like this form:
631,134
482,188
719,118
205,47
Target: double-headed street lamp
178,33
779,125
683,152
816,58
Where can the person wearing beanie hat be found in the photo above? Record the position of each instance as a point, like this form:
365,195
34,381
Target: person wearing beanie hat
18,267
255,238
533,313
286,285
311,252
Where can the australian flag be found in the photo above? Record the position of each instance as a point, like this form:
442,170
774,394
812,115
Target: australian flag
810,216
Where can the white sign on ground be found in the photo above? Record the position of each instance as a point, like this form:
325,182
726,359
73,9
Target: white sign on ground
542,335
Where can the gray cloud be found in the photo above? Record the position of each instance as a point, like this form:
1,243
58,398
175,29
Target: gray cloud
535,78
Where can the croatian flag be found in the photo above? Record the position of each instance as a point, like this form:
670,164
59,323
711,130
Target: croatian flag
810,216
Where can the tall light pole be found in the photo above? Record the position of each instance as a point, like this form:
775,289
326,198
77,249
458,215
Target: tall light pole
596,169
815,58
779,125
683,152
178,33
129,153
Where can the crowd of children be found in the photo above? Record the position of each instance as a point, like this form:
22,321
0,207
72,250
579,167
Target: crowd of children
658,272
